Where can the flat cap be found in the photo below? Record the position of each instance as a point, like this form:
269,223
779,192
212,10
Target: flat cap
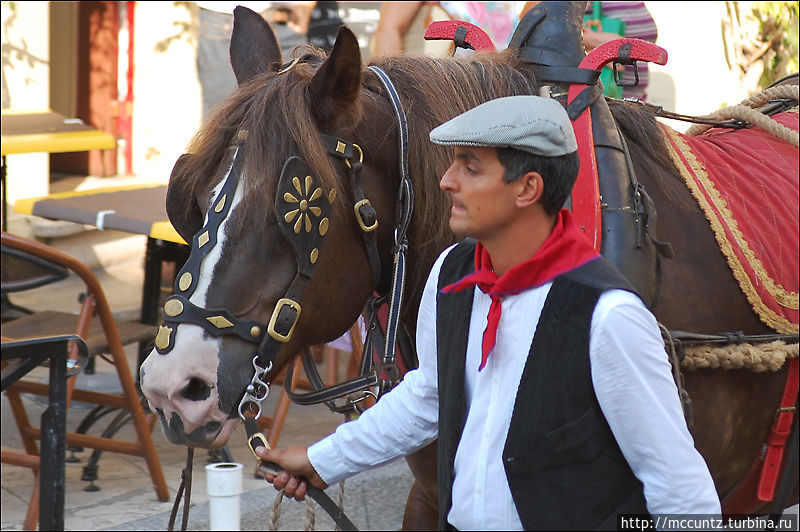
529,123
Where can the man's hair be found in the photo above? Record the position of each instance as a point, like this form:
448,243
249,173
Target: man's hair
558,173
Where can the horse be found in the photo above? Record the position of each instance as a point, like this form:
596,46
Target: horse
279,114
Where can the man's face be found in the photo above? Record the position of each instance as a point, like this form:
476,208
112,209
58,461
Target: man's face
483,203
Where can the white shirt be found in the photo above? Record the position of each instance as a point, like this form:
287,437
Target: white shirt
632,380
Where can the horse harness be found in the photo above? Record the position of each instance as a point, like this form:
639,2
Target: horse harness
302,209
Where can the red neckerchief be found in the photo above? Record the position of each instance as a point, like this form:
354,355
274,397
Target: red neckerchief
565,249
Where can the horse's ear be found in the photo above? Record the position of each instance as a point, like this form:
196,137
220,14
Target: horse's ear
336,84
254,48
183,213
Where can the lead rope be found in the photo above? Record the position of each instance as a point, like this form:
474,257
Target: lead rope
186,482
311,519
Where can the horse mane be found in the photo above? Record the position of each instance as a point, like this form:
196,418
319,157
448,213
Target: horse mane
276,112
648,146
274,109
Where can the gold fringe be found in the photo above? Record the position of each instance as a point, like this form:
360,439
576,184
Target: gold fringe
783,296
759,358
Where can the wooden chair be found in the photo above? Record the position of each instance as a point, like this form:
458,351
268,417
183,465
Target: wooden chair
103,335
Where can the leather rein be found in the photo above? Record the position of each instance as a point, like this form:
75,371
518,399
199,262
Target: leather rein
302,210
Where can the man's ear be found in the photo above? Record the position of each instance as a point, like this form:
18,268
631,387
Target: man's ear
531,189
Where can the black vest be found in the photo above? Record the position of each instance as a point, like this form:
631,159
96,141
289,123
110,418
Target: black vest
563,465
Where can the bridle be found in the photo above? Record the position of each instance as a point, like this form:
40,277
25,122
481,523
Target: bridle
302,210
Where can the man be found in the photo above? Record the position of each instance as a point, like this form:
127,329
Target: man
548,386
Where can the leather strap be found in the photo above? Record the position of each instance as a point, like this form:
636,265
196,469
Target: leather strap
760,479
778,434
405,209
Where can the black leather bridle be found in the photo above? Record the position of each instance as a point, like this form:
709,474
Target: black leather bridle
302,210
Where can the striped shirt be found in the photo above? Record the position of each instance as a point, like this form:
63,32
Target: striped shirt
639,24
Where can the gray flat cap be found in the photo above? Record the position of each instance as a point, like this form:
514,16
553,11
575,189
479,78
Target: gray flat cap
529,123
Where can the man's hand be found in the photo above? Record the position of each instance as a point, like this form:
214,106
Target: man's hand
295,464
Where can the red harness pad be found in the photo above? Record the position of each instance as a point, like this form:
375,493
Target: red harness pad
746,183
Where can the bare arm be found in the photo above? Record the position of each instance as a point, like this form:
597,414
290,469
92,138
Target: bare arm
394,21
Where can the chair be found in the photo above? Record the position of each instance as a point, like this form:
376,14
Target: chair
18,359
103,335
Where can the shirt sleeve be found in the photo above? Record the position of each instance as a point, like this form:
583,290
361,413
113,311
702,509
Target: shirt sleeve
404,420
633,382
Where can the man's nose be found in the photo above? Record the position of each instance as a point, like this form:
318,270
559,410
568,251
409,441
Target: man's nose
447,183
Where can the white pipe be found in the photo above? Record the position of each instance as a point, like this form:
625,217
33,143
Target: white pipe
224,485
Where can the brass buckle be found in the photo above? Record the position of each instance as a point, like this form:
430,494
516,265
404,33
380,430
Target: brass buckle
271,327
257,440
360,156
360,220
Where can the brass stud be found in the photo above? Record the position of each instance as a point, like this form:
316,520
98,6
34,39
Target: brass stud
173,307
331,196
255,331
289,198
185,281
220,322
289,216
242,134
340,147
309,225
317,193
163,337
309,182
298,225
203,239
316,211
297,187
221,204
323,226
314,255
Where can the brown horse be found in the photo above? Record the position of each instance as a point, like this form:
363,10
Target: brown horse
277,113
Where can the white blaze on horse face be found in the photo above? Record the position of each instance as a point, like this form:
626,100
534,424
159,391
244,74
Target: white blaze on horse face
195,355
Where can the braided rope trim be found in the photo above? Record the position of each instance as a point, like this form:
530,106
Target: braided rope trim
745,111
759,358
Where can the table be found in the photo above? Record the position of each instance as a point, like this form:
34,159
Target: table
137,209
49,132
50,462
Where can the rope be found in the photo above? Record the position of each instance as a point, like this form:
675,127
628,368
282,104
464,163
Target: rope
311,519
759,358
276,511
745,111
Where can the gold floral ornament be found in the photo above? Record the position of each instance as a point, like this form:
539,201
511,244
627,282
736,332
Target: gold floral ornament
301,216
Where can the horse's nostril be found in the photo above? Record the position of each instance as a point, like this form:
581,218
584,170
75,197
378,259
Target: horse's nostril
196,390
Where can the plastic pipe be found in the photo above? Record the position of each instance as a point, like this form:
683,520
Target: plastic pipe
224,485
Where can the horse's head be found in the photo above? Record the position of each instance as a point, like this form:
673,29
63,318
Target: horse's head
266,198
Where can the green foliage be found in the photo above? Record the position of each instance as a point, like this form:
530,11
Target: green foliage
778,30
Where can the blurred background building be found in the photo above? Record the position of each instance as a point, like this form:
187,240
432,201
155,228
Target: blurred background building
131,69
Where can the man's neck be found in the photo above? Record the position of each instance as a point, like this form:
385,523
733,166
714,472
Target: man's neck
519,242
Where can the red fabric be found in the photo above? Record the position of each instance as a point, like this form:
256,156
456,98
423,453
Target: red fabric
746,182
565,249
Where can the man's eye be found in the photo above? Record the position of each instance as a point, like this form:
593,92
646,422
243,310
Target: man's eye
471,170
